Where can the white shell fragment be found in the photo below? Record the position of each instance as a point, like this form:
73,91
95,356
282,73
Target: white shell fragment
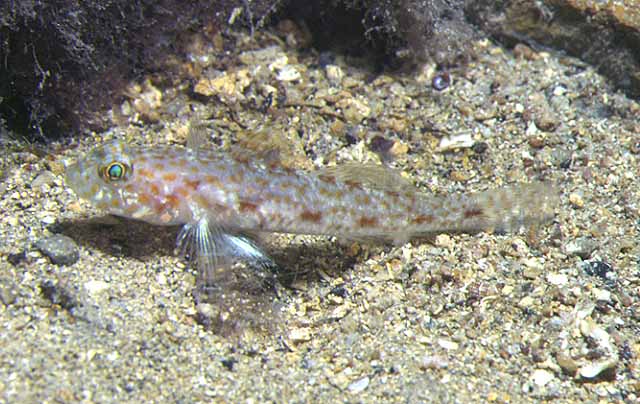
463,141
359,385
542,377
594,369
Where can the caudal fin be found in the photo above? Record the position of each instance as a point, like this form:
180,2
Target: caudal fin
507,209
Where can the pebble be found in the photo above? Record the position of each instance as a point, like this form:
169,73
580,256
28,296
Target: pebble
581,247
448,344
593,370
62,250
288,73
95,287
229,86
297,335
43,180
599,268
58,294
568,365
359,385
434,362
335,74
542,377
444,241
557,279
576,200
601,295
354,110
526,302
463,141
8,291
274,56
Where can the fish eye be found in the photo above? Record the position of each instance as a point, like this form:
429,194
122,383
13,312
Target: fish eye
115,171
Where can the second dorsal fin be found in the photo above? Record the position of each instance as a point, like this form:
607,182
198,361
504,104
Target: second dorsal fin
371,176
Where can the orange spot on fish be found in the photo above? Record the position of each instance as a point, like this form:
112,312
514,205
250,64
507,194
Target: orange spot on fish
367,221
422,219
144,199
363,199
213,180
473,212
169,177
143,172
154,189
183,192
310,216
262,182
192,184
173,201
248,206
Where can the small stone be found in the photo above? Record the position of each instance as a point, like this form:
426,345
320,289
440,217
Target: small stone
526,302
557,279
448,344
62,250
359,385
274,56
531,273
399,149
581,247
463,141
542,377
546,121
48,219
354,110
459,176
601,295
297,335
59,295
593,370
95,287
340,312
288,73
536,142
444,241
576,200
525,52
441,81
380,144
8,291
434,362
568,365
147,99
43,180
334,74
228,86
599,268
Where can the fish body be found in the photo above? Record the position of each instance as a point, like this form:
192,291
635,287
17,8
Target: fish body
214,194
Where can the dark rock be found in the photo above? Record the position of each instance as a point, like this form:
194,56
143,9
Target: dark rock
592,31
62,250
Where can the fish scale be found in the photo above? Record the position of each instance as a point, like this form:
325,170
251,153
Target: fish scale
216,194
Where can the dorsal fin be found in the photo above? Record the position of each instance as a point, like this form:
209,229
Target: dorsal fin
196,136
270,157
373,176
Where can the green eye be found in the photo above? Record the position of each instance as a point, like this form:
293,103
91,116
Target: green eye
115,171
